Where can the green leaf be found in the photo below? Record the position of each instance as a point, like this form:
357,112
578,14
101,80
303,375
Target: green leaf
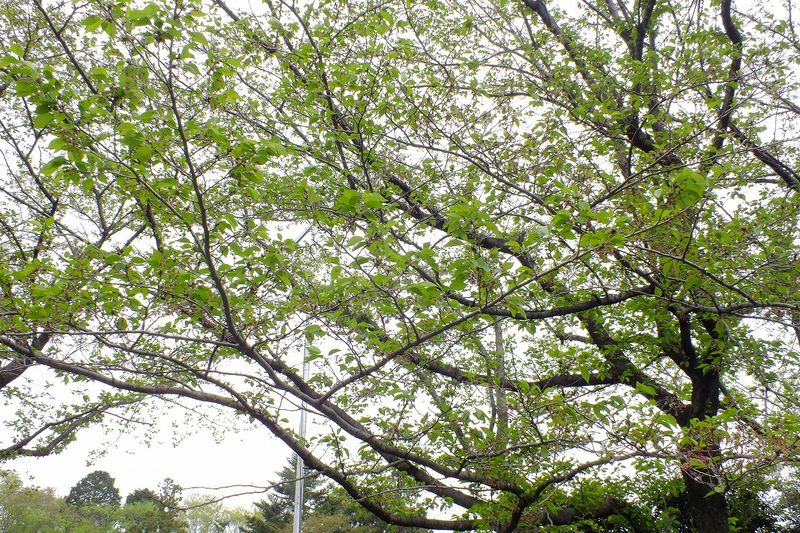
347,201
199,37
373,200
26,87
645,389
143,153
666,420
42,120
314,330
92,23
54,164
692,183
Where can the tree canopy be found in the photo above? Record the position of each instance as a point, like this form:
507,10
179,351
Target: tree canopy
95,488
544,256
147,511
142,495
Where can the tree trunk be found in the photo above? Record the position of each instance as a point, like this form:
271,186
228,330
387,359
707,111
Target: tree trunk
708,512
707,508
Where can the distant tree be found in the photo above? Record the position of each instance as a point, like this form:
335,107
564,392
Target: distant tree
26,509
169,494
170,499
142,512
204,515
271,516
34,510
97,487
142,516
146,511
141,495
275,513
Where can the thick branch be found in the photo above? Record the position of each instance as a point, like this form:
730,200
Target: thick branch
513,385
23,362
538,314
13,370
629,374
790,176
725,111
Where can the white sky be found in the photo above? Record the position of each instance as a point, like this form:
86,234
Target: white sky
247,457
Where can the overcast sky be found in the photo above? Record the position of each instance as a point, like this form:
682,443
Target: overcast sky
246,457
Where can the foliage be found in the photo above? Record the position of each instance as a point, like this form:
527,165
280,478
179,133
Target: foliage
204,515
32,510
756,504
142,517
147,512
269,517
788,501
95,488
141,495
532,248
25,509
275,514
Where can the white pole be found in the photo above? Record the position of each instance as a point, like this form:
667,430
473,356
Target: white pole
299,472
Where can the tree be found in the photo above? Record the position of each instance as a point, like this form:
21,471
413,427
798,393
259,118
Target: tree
757,504
541,247
205,515
95,488
141,517
141,495
26,509
148,512
170,503
275,513
33,510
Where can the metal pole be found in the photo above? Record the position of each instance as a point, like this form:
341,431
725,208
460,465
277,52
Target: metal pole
299,472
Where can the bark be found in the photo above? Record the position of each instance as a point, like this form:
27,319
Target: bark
708,512
14,369
501,398
707,505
